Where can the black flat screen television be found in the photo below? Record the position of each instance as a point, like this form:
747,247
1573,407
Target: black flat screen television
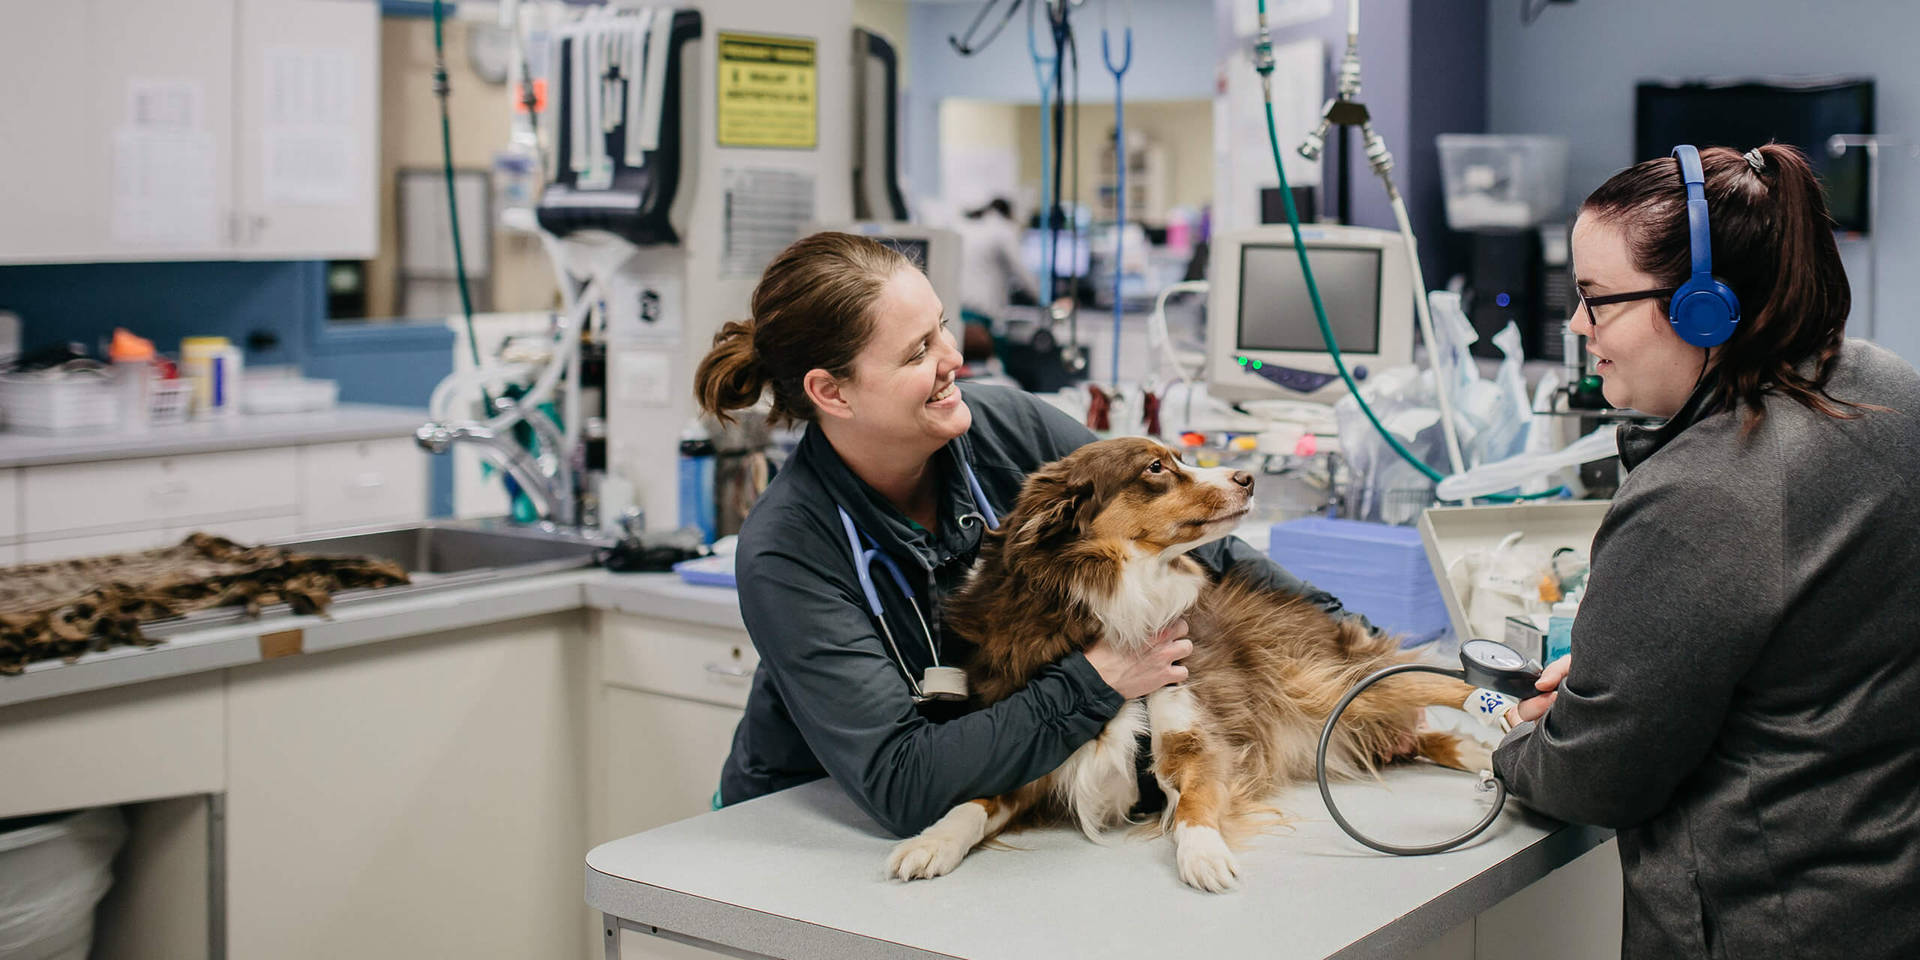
1746,113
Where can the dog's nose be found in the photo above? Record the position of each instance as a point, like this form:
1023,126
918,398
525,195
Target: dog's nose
1243,478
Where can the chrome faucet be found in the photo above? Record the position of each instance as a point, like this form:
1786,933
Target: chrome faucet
547,480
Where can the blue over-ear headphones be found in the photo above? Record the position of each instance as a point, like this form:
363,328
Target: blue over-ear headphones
1704,311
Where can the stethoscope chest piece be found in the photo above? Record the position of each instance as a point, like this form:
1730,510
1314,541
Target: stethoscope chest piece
944,683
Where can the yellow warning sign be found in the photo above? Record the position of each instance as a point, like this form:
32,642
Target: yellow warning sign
768,92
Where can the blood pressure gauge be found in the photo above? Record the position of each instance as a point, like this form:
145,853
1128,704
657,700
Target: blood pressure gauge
1500,668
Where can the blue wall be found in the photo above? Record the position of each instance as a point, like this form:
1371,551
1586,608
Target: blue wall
375,363
1573,72
1172,60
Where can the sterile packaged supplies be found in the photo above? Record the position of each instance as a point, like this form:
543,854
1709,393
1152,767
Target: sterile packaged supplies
1504,582
1377,570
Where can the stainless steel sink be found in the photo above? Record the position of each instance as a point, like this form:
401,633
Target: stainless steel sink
434,551
437,555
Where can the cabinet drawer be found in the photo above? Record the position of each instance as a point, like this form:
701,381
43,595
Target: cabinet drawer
244,532
162,738
362,482
230,484
678,659
80,496
95,545
158,491
9,504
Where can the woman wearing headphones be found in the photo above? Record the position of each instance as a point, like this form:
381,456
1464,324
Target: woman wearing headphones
875,517
1741,701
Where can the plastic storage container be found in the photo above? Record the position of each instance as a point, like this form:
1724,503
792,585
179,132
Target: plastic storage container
1504,181
53,872
288,395
213,364
167,401
1378,570
56,403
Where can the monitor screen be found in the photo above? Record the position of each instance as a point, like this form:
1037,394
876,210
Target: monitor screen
1277,314
1743,115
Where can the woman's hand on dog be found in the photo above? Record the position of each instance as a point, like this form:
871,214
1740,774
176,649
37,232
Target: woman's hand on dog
1157,665
1534,708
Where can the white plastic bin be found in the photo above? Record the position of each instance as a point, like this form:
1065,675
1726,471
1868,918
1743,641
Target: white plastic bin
59,404
1502,181
52,874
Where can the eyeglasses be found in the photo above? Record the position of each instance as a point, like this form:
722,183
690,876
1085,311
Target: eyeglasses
1588,303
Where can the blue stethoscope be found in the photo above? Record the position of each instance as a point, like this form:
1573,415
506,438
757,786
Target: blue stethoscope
939,682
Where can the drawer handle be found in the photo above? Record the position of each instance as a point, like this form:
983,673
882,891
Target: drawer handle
176,488
731,672
366,483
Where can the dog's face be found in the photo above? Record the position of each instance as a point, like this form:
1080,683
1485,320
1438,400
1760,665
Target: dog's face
1129,490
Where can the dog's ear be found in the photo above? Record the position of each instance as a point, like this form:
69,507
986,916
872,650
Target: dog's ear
1050,509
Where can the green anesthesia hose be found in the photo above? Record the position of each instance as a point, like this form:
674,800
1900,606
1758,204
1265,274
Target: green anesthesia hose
1263,59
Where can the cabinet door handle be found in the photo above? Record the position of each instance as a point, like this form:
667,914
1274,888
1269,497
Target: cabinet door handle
730,671
160,491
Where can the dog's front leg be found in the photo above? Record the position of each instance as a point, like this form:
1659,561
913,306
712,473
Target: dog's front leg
935,851
1193,771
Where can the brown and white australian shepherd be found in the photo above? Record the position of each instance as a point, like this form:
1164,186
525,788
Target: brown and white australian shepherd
1096,548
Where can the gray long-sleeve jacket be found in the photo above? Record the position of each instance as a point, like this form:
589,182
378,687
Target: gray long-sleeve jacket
1744,699
827,699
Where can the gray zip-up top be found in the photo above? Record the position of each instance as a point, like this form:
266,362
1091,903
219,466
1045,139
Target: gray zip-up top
1744,701
827,700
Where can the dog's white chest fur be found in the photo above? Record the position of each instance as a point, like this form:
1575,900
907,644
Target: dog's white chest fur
1151,591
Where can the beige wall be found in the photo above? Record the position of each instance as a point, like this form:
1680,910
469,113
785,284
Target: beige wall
410,137
887,18
1183,128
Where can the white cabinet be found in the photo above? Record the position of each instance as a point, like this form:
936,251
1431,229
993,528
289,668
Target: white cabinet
9,505
92,545
258,530
158,492
419,797
671,695
143,137
305,169
120,150
249,496
361,483
162,738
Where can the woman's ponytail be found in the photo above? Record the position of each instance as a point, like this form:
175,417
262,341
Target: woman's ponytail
812,310
731,376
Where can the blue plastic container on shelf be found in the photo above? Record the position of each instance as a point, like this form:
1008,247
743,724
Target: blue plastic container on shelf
1376,570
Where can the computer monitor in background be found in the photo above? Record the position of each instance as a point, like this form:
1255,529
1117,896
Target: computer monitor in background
1744,114
935,249
1263,341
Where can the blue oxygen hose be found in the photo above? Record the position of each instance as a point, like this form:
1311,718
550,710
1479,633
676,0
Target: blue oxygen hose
1120,163
1042,66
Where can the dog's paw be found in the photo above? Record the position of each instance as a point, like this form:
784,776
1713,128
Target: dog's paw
926,856
1475,756
1204,860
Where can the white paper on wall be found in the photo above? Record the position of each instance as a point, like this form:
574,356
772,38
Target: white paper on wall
164,188
307,138
763,211
156,104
